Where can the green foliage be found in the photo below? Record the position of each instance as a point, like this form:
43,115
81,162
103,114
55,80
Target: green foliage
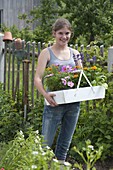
89,155
80,40
95,76
91,19
4,28
28,153
10,118
94,54
96,123
34,119
13,29
57,78
27,34
44,15
15,32
22,153
42,36
67,77
107,38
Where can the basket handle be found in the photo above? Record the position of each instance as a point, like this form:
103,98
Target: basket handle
79,81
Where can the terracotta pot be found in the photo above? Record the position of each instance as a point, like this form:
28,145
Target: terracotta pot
7,36
18,44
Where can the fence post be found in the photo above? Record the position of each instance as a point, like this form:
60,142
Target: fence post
1,58
26,86
32,77
110,59
76,46
102,50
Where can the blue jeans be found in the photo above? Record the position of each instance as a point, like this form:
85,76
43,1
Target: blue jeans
65,115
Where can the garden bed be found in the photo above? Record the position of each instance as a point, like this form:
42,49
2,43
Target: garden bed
99,165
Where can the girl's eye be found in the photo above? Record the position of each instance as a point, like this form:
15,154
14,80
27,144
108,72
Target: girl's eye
67,33
61,33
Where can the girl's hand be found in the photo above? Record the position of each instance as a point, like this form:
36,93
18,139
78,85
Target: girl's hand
50,99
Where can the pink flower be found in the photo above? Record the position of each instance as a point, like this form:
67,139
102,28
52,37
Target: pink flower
2,169
70,84
64,81
66,68
63,69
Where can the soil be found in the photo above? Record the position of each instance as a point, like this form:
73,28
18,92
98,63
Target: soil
107,165
99,165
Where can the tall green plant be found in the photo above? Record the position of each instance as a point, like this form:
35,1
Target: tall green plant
28,153
89,155
10,117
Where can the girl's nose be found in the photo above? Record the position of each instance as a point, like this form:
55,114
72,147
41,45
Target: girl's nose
64,36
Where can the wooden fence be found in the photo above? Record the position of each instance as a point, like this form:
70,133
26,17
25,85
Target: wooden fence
19,70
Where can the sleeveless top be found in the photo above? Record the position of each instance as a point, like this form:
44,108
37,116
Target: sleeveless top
72,61
55,60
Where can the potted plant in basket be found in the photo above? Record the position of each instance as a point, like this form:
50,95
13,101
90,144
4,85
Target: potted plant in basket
61,77
66,77
64,81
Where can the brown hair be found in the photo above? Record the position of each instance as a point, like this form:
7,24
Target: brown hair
61,23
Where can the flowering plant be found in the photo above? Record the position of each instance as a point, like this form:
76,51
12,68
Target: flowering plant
58,77
96,76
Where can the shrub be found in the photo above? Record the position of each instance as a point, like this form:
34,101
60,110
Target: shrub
10,118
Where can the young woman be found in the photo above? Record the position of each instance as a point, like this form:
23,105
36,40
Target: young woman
65,115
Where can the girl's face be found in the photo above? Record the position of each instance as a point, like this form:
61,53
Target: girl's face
62,36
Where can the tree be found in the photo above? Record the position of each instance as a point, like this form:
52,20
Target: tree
45,15
90,17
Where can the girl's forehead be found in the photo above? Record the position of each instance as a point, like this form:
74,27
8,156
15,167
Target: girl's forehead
64,29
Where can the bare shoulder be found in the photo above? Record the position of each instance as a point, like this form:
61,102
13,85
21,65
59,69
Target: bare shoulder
42,61
44,52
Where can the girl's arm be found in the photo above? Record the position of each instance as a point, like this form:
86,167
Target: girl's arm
44,57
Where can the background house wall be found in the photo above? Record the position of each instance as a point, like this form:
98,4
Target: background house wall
10,9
